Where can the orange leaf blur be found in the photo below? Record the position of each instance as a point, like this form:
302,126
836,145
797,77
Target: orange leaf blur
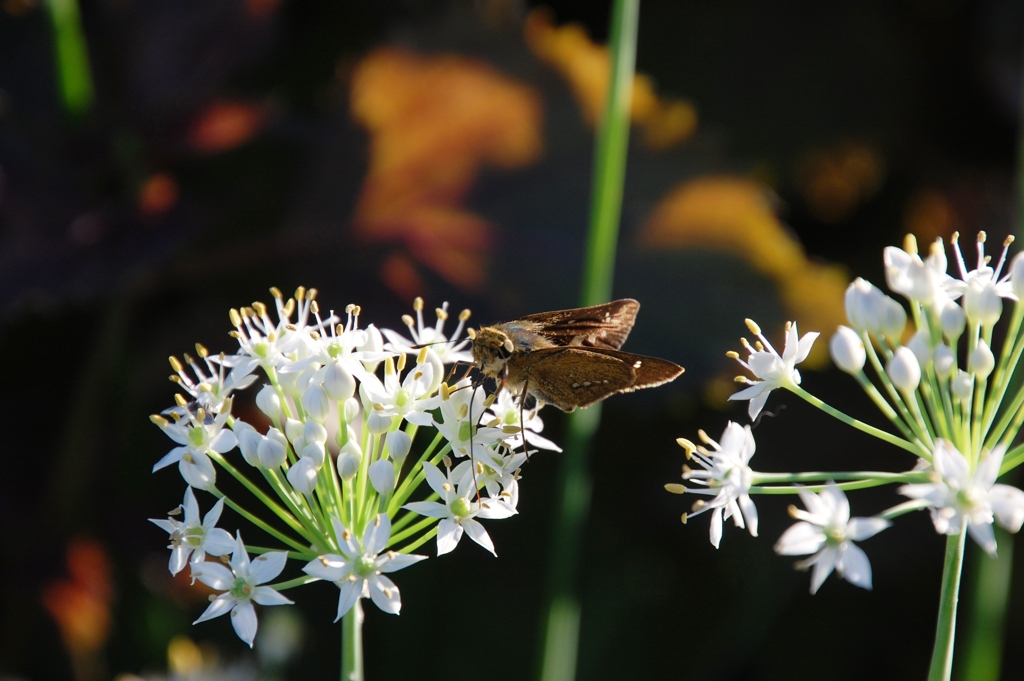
434,123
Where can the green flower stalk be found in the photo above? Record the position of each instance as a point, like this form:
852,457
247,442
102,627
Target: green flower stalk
949,393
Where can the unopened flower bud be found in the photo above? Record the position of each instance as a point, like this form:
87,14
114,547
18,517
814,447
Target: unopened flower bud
399,443
302,475
1017,275
314,432
315,452
847,350
248,442
953,321
893,318
962,386
269,402
382,476
293,428
273,449
982,361
316,403
348,465
338,382
863,305
351,409
904,370
944,359
982,304
920,345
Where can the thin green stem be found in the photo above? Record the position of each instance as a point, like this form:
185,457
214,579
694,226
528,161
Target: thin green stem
945,629
914,448
352,644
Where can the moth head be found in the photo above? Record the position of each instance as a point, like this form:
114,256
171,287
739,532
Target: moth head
491,349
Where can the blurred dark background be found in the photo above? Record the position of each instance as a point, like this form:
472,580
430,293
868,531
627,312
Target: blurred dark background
379,151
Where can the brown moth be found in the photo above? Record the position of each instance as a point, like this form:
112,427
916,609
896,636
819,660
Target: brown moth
569,358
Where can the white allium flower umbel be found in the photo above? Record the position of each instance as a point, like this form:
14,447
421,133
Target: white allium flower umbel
457,510
961,495
773,370
827,531
242,583
726,476
350,424
192,536
357,567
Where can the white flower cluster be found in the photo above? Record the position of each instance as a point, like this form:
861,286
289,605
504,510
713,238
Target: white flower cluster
939,382
339,412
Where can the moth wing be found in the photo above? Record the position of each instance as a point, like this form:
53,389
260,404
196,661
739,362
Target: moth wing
570,377
650,371
598,326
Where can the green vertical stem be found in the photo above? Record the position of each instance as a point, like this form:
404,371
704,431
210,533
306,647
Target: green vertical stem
560,633
71,57
352,644
990,589
945,629
989,593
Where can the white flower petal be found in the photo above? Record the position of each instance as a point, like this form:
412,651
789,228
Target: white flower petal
800,539
385,594
854,566
351,590
243,619
478,534
218,606
449,533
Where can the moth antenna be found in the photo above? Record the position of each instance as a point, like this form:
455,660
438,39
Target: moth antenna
767,413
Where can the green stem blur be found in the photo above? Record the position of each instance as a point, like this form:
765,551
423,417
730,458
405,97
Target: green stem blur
71,57
945,629
560,632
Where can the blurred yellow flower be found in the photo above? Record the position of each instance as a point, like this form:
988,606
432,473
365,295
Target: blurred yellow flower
736,215
584,64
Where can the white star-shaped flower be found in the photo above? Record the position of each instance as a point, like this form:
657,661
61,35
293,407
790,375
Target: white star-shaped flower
773,370
458,508
192,537
412,397
197,434
959,496
241,582
357,569
449,349
826,530
728,478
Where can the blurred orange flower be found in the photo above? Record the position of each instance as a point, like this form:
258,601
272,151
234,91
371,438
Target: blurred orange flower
835,181
81,604
434,123
224,125
735,215
585,65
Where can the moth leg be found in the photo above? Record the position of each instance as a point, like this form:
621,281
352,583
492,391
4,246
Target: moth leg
472,456
522,420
